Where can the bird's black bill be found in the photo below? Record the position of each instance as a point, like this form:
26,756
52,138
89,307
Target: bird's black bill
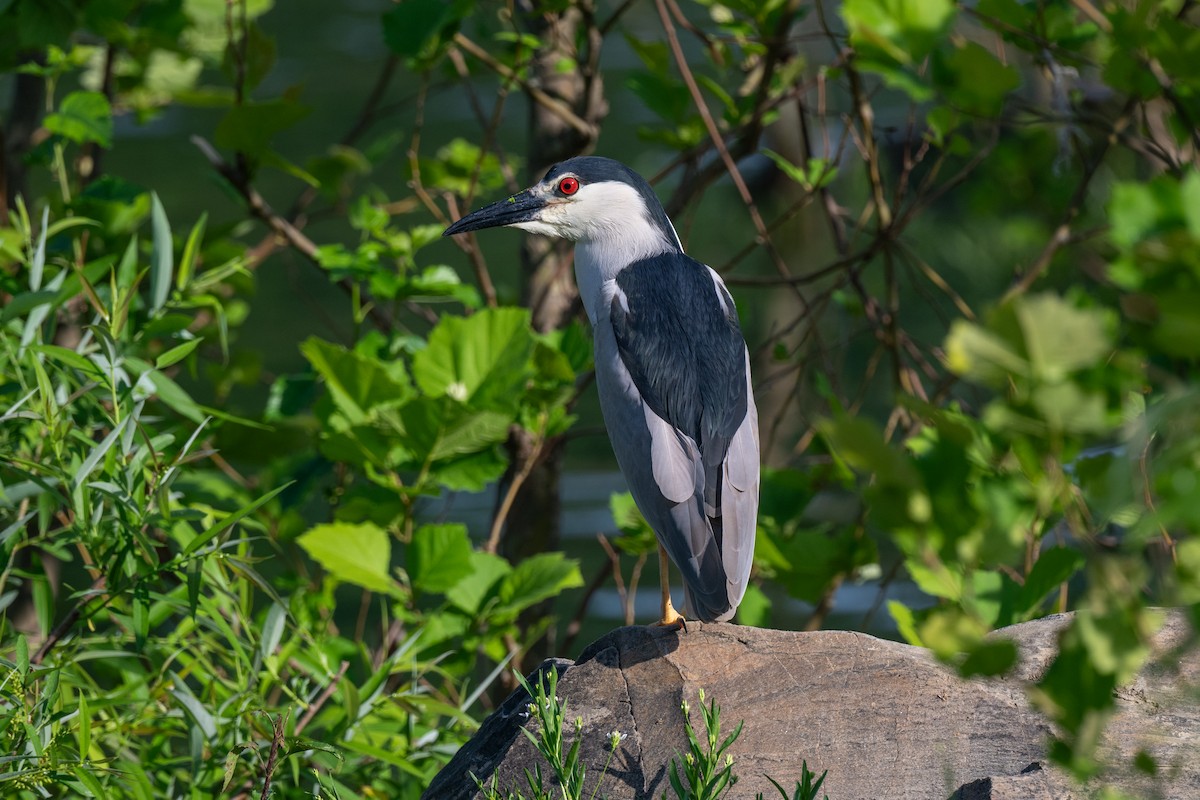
521,207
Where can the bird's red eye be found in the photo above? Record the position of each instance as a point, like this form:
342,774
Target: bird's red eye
568,186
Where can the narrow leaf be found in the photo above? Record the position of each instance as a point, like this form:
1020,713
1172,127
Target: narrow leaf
161,255
177,353
89,463
85,728
231,520
272,630
187,262
38,264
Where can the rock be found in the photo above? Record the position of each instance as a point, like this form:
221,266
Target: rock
885,719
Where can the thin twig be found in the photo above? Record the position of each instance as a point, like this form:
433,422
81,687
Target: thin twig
261,210
714,134
273,757
322,698
551,104
474,253
510,496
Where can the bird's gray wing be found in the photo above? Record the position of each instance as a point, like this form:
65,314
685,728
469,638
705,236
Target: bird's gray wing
673,375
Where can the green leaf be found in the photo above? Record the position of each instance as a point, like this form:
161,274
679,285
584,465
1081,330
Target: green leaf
232,519
482,360
440,429
906,622
194,708
231,763
471,472
486,570
272,630
989,658
535,579
637,537
948,631
25,302
168,391
974,80
860,443
289,395
22,656
177,353
118,205
903,30
410,25
83,117
250,128
815,557
359,384
980,355
1177,331
191,249
162,255
1189,197
355,553
256,58
98,452
755,609
1061,338
1054,566
439,557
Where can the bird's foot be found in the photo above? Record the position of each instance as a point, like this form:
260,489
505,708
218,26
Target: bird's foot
672,619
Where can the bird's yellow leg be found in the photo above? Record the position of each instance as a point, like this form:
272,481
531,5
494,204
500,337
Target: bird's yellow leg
670,617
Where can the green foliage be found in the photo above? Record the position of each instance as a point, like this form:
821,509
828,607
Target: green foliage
707,769
551,713
83,117
806,788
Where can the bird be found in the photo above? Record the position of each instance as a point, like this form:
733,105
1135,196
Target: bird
671,368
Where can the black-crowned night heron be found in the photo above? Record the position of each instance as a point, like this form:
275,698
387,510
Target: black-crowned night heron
672,371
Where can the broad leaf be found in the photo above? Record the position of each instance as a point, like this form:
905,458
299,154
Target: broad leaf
359,384
1061,338
486,571
482,360
439,557
410,25
83,117
904,30
249,128
358,554
535,579
442,428
989,658
1053,567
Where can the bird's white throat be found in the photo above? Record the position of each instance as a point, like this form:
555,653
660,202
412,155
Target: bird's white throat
612,229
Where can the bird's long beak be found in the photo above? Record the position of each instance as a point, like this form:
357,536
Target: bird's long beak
521,207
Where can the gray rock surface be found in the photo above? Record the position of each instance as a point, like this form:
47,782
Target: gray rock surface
885,719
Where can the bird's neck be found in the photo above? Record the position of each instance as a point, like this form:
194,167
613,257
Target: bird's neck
598,261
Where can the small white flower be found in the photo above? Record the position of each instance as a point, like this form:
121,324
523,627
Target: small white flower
615,738
457,390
